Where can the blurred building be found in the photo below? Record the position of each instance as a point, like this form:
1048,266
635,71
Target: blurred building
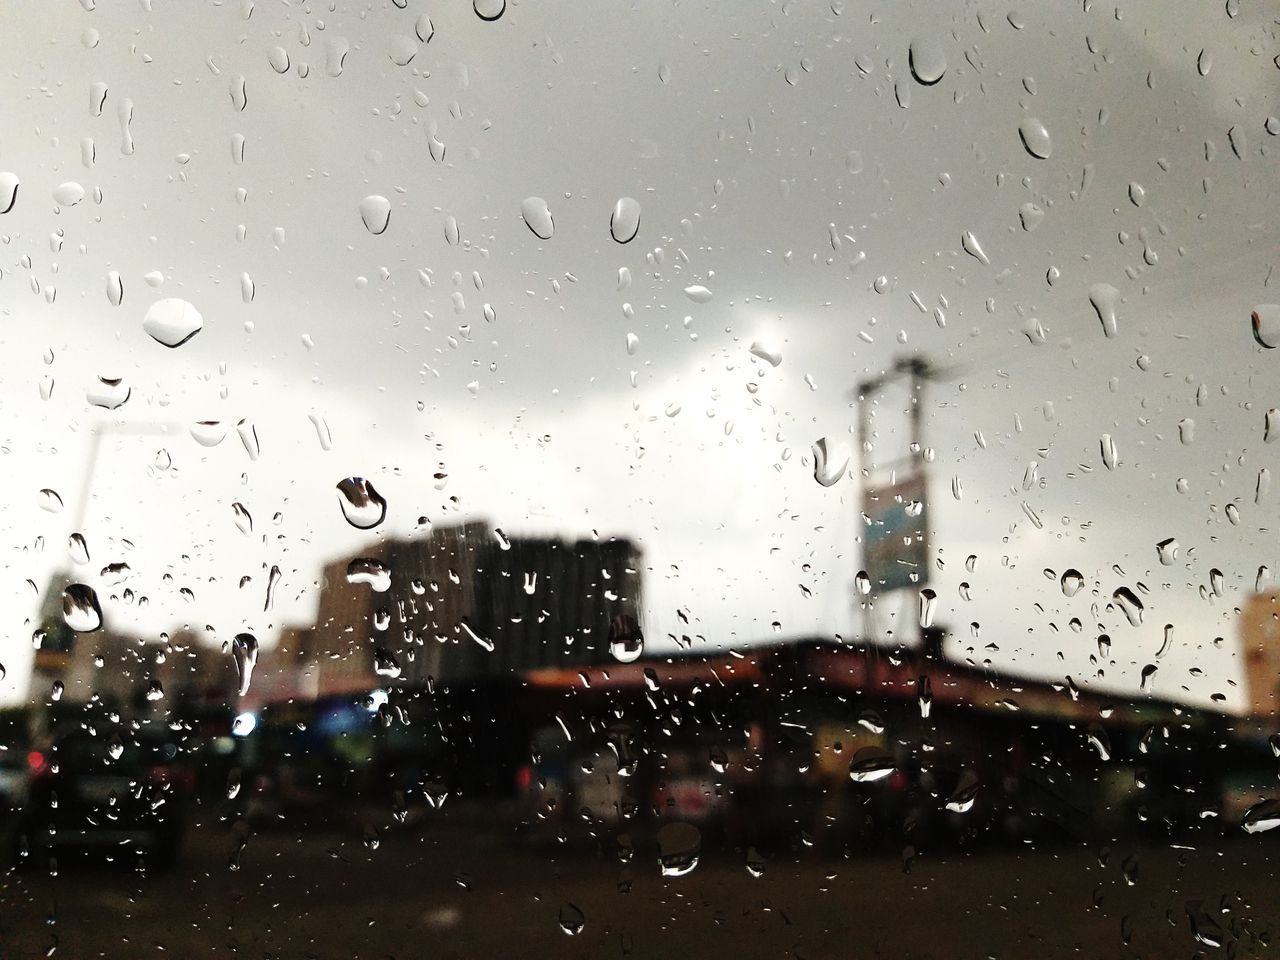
465,602
1260,643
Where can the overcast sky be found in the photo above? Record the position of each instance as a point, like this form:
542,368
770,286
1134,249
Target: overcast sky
784,158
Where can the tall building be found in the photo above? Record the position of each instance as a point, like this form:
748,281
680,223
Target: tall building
464,603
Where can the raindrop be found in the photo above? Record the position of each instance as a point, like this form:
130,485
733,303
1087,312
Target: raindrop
1266,325
755,863
1261,817
8,190
1186,431
863,582
1035,138
172,321
1167,550
244,522
80,608
1137,195
1148,674
1099,740
927,60
1215,581
537,217
77,548
279,59
870,764
50,501
825,470
571,920
1104,297
489,10
375,213
208,433
244,648
624,224
108,393
1110,456
1129,605
371,571
679,845
1072,580
698,293
68,194
385,664
115,288
928,607
361,504
1167,642
626,641
974,248
766,352
1204,63
452,232
965,793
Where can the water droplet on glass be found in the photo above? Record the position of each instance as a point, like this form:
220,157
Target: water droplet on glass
624,223
1204,63
208,433
1129,605
537,217
361,504
1110,456
375,213
974,248
928,606
80,608
489,10
828,471
279,59
1148,674
965,793
1186,431
1104,298
1072,580
571,919
927,60
1266,325
172,321
1098,739
1215,581
452,232
766,352
1035,138
50,501
336,56
244,522
244,649
371,571
77,548
862,582
1261,817
698,293
8,190
679,845
68,194
385,664
870,764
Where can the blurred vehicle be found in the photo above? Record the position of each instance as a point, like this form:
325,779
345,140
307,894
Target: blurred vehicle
124,789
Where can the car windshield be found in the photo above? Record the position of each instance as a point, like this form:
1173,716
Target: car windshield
639,479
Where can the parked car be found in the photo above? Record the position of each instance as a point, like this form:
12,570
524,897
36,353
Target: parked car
124,789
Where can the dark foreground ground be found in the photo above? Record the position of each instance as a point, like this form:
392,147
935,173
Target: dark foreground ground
445,890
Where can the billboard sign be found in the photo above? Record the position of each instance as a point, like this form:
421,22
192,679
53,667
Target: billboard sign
895,549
